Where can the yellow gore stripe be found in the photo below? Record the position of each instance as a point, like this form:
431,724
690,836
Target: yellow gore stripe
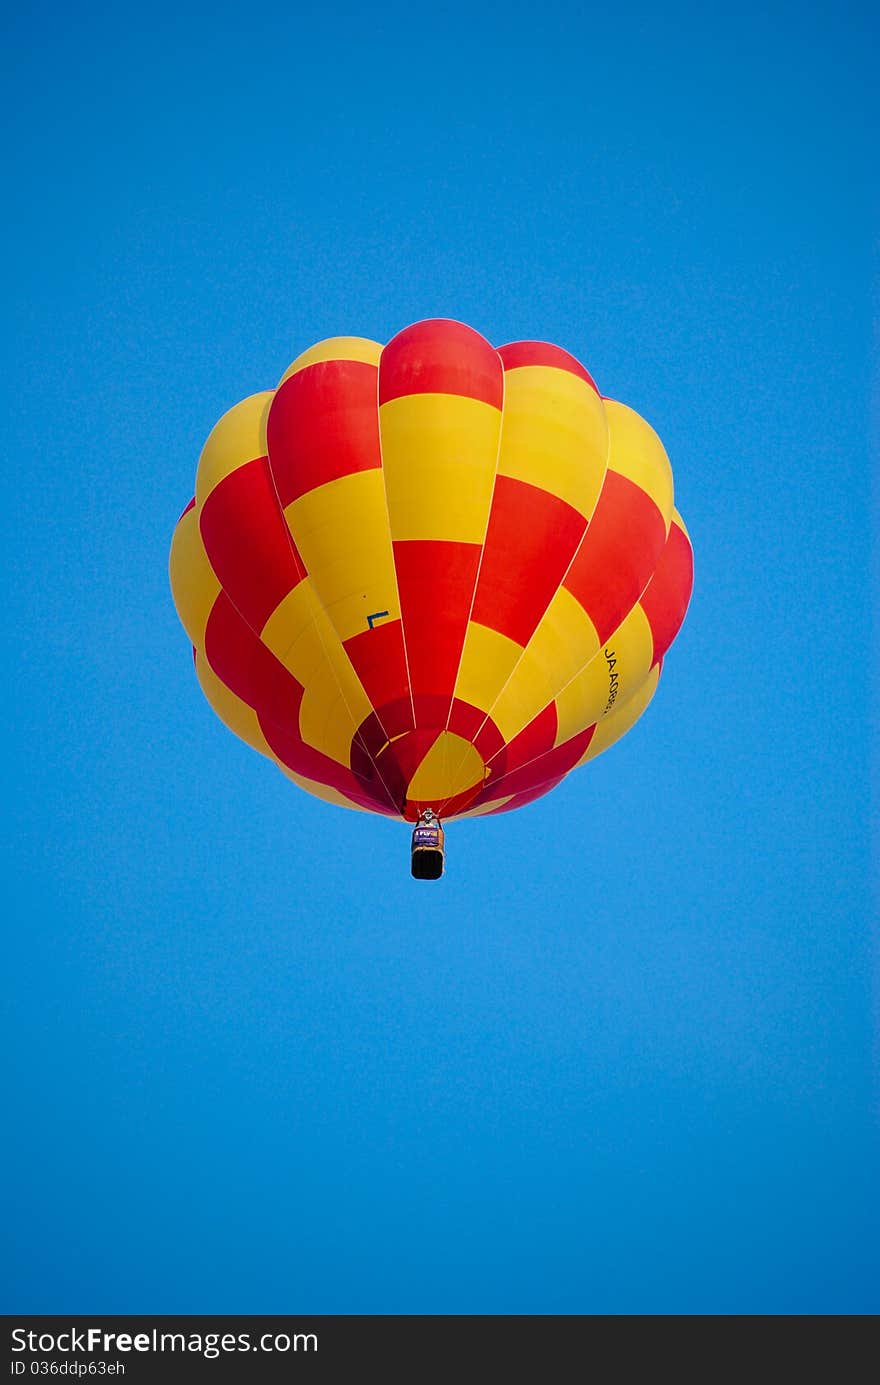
300,634
336,349
193,583
554,434
237,715
324,791
242,720
637,453
613,676
563,643
450,766
618,723
439,453
341,531
528,692
487,661
238,437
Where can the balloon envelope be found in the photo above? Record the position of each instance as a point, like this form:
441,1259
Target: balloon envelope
431,574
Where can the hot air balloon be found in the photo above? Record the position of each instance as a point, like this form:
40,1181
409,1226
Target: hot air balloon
430,579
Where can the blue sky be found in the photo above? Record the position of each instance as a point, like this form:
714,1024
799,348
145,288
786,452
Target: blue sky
623,1058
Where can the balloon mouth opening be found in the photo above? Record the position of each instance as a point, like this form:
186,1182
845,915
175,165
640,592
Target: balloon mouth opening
436,770
445,809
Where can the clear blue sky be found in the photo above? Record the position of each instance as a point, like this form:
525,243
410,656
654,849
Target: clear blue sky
254,1066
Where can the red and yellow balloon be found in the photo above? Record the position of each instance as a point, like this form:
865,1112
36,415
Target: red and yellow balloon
431,574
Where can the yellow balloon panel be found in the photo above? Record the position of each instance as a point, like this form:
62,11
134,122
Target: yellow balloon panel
300,634
336,349
451,766
564,642
617,723
554,435
324,791
237,715
487,661
357,577
637,453
239,437
193,583
609,679
439,455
